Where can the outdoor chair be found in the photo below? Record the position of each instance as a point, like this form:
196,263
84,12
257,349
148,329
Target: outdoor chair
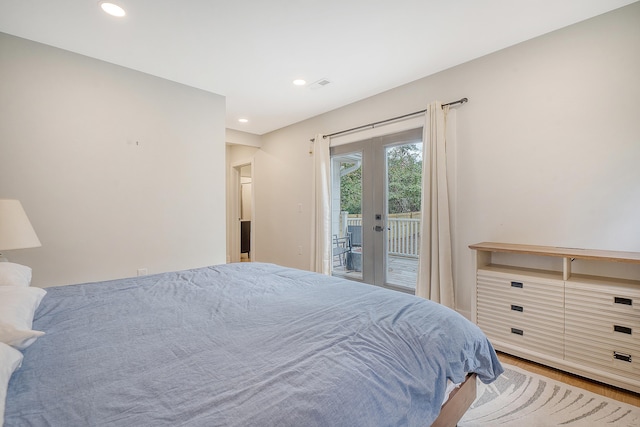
341,246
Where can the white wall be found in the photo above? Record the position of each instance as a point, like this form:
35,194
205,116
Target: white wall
239,138
117,170
547,148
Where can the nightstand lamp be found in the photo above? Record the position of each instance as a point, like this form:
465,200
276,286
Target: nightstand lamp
16,231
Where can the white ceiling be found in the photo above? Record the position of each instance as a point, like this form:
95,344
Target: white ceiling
250,51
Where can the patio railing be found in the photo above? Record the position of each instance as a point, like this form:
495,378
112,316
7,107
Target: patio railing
403,236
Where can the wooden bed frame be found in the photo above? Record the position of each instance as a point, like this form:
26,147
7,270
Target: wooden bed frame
459,401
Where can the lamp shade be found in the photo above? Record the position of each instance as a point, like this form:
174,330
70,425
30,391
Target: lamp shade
16,231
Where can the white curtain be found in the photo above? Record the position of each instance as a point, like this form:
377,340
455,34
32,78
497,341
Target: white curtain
321,207
435,277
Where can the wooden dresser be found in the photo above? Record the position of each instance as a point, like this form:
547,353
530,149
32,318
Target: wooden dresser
586,324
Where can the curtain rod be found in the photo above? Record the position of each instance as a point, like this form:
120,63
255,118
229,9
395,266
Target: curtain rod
459,101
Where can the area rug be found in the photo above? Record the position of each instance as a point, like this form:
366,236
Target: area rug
523,399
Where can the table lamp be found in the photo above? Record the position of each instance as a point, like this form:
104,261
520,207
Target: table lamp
16,231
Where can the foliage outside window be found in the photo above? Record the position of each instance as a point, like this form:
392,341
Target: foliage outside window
404,164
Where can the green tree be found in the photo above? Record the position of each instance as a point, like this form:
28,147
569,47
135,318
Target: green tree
404,166
351,190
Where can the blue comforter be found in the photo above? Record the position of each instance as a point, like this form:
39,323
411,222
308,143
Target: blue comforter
241,345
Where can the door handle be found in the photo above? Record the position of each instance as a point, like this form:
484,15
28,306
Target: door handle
378,228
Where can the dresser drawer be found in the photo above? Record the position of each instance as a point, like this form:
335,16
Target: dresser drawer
520,288
535,332
603,299
608,357
593,325
518,309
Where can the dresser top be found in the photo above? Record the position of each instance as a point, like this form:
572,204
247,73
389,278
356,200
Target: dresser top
554,251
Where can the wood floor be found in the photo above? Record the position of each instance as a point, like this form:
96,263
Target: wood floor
592,386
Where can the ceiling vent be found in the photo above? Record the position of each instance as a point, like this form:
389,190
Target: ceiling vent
319,84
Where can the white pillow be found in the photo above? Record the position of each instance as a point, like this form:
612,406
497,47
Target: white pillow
12,274
17,307
10,360
18,338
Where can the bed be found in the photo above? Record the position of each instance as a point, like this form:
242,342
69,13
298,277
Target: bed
247,344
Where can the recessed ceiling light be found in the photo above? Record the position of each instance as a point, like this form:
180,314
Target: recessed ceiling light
112,9
299,82
243,120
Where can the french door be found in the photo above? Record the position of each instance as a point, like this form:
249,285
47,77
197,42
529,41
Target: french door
376,194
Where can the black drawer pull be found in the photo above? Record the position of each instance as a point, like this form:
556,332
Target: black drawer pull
622,356
517,308
623,329
624,301
517,331
516,285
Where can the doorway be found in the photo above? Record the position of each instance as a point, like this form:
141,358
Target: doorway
242,212
377,191
246,212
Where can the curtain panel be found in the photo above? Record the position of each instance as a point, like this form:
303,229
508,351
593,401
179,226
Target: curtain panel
321,207
435,270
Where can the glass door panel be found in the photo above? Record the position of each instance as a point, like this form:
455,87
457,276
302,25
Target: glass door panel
403,199
346,216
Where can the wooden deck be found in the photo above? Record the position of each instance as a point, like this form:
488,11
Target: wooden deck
401,271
